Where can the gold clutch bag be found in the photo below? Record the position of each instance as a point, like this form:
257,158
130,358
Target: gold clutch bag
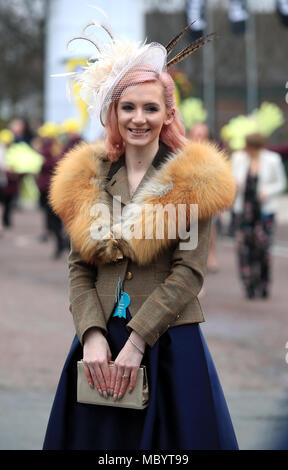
138,399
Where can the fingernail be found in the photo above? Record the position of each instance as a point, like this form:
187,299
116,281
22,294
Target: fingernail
105,394
130,390
91,385
120,396
111,392
115,396
100,391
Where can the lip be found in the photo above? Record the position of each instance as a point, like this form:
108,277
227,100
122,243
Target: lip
138,132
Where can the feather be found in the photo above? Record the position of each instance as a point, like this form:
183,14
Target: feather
65,74
174,41
191,48
84,39
99,9
194,43
100,25
108,31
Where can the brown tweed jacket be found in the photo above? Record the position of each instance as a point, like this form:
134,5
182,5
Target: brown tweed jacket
161,279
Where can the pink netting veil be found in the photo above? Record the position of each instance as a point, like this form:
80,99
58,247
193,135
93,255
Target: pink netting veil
100,80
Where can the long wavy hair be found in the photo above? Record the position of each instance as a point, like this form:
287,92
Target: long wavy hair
173,134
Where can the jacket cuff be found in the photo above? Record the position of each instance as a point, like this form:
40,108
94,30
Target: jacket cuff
85,313
82,333
152,328
148,337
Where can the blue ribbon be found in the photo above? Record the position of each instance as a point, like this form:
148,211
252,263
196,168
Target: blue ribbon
122,299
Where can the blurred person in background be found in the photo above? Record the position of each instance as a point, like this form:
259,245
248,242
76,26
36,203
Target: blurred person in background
22,162
6,137
21,130
10,179
199,131
70,134
260,178
262,121
49,146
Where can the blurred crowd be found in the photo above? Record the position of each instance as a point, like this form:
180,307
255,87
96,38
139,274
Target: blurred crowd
27,160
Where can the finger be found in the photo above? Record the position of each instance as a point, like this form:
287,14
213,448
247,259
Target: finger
88,375
133,379
95,381
106,374
113,379
124,383
101,379
120,372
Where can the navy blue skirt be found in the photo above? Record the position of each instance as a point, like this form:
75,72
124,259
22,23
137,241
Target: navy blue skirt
187,409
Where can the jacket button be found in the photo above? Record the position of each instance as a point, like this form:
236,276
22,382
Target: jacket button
129,275
178,316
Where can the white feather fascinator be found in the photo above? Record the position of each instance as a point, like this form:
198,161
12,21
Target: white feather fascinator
99,79
117,57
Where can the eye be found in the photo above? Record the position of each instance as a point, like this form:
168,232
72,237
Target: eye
152,109
127,107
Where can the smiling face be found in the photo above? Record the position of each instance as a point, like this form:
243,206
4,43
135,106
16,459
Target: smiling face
141,113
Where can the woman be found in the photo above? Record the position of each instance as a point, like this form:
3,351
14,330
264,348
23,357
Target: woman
260,177
187,409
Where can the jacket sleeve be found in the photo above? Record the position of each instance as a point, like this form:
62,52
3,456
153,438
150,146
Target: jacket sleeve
84,304
169,298
279,182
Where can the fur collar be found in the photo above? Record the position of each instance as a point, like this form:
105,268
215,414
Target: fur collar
79,194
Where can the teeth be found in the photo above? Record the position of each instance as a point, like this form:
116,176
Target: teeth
137,131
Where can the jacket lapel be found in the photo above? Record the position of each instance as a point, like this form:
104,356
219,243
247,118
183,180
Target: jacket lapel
118,179
118,185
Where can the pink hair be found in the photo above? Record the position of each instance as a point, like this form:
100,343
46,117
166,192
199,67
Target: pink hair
173,134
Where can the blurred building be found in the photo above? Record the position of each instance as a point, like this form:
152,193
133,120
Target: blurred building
65,20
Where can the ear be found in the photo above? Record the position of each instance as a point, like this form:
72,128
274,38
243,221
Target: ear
170,117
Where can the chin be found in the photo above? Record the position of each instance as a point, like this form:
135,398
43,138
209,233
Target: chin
137,143
140,142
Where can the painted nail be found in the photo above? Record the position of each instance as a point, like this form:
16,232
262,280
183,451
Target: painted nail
115,396
111,392
100,391
105,394
120,396
91,385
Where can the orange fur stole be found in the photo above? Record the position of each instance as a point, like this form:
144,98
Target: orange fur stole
198,174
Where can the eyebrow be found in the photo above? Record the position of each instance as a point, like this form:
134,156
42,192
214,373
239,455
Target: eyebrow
145,104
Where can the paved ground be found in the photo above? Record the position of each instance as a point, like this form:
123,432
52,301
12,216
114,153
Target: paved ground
247,339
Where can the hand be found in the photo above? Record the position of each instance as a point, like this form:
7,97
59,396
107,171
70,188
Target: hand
127,363
262,197
96,354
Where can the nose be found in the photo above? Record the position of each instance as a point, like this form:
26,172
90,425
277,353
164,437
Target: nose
139,117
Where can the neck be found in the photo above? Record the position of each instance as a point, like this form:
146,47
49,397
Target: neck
139,159
254,153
